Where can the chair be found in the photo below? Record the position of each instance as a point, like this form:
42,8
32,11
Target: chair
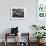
14,32
7,35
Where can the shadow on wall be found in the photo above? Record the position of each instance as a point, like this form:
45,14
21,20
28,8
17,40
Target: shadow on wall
6,31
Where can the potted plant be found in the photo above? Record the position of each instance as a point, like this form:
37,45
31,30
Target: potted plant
39,35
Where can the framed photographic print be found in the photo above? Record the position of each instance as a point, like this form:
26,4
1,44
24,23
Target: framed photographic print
18,13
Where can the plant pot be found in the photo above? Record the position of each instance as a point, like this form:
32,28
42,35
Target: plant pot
40,40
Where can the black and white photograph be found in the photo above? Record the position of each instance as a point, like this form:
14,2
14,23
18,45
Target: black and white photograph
18,13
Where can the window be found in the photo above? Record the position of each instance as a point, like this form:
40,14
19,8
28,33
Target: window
41,8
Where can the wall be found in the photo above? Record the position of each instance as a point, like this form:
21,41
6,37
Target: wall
25,24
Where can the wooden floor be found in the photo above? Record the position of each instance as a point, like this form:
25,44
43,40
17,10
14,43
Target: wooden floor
13,44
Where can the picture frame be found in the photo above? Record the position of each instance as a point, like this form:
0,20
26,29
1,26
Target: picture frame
18,13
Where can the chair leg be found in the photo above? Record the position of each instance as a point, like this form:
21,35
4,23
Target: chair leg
5,43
